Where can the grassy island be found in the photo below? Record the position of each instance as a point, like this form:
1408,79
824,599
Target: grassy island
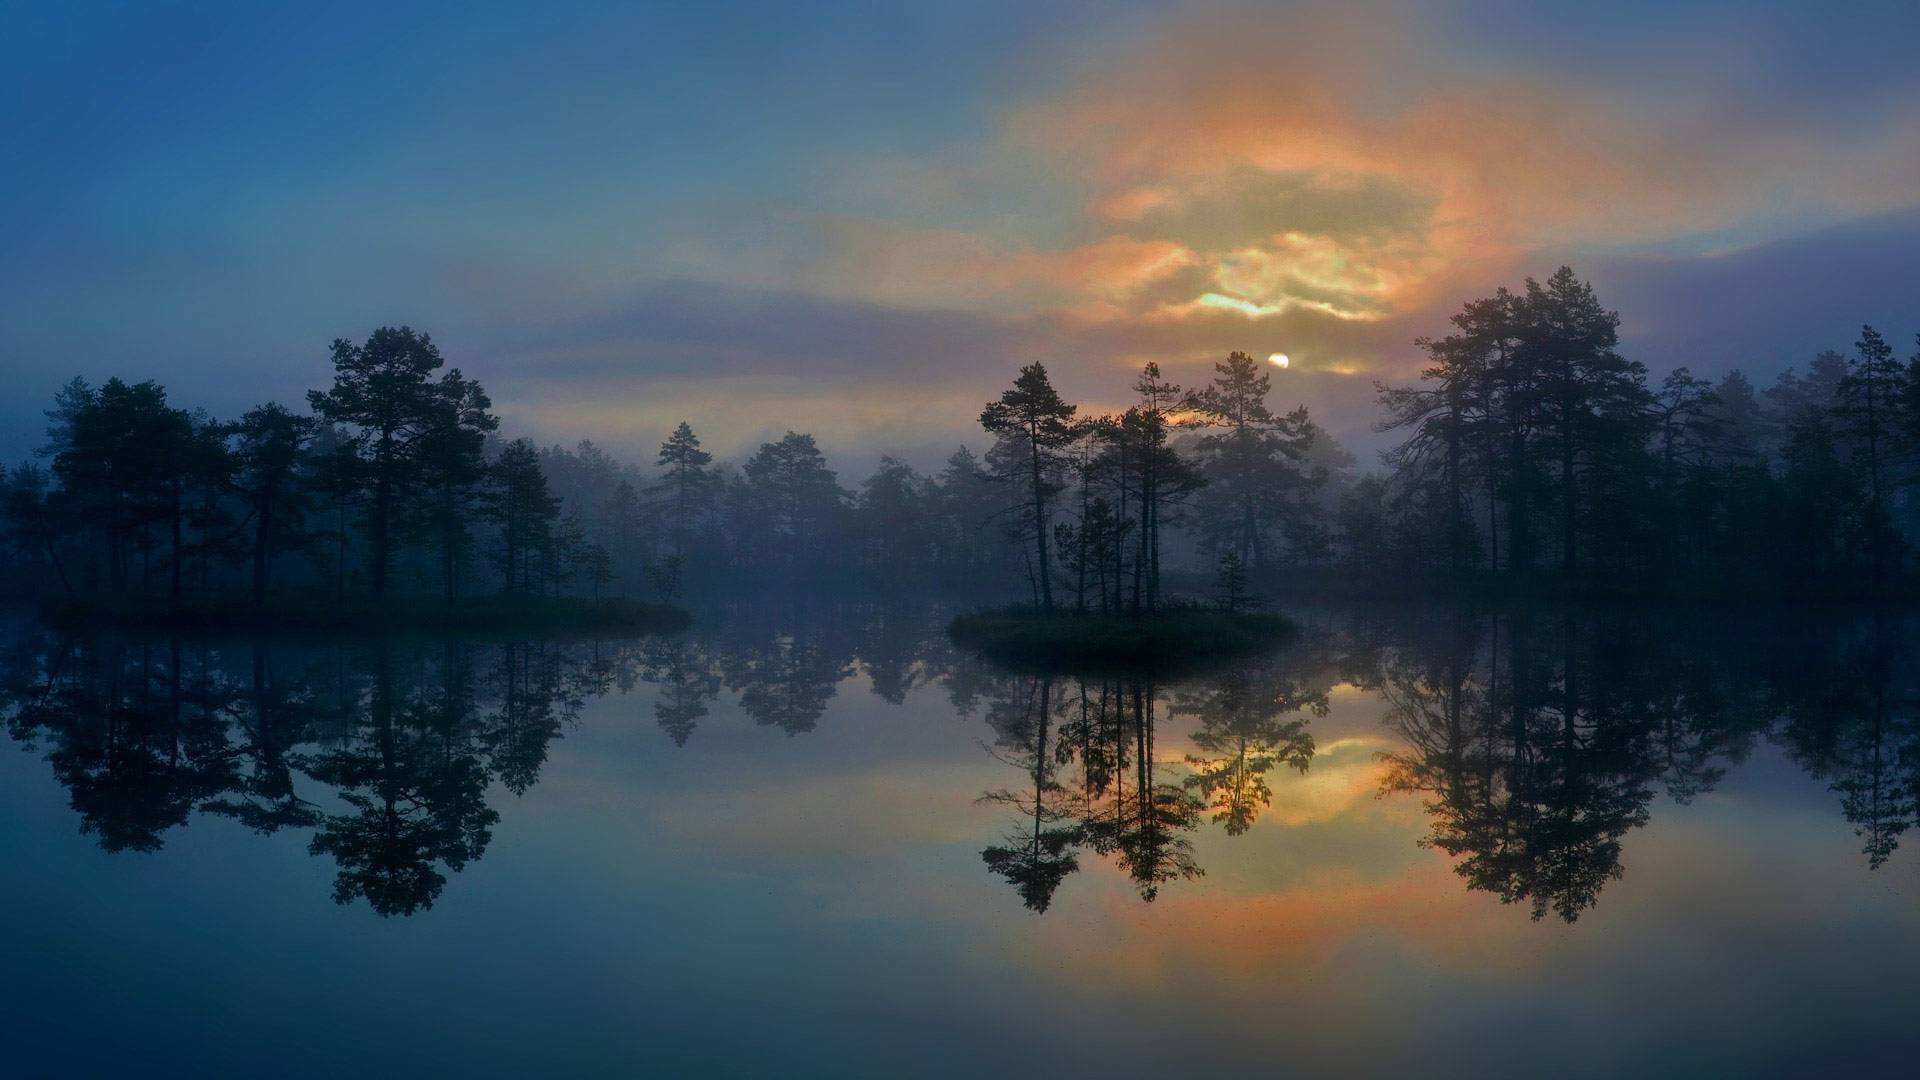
548,616
1186,636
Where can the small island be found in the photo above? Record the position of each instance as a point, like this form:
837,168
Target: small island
1178,636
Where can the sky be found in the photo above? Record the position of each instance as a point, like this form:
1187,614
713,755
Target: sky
859,219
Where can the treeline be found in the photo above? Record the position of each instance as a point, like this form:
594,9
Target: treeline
1534,448
388,485
394,486
1534,456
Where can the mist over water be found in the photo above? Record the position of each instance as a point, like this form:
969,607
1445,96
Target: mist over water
1430,837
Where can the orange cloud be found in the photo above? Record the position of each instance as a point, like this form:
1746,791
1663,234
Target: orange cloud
1507,165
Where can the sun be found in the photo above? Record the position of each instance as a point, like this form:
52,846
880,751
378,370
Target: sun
1279,359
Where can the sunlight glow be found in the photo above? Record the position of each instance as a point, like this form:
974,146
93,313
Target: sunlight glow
1279,360
1233,303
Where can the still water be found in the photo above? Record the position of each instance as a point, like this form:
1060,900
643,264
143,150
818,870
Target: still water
824,842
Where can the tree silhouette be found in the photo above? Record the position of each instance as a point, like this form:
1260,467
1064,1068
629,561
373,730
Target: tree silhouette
418,801
382,391
1039,851
687,486
1251,459
452,469
1032,412
688,685
518,499
1532,776
794,498
1867,410
269,442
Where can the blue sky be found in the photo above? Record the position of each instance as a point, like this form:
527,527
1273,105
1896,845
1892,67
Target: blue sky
857,219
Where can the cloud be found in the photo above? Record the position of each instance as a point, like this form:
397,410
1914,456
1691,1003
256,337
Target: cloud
1363,169
741,363
1766,306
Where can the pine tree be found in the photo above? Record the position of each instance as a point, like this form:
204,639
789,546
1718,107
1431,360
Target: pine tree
1033,410
687,484
268,449
381,389
1868,411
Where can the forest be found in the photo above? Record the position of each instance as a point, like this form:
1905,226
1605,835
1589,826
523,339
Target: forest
1532,458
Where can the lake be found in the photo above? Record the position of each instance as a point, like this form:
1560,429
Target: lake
822,841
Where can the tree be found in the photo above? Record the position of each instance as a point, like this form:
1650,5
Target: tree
967,500
1447,424
452,466
335,480
518,499
1594,398
1531,391
896,527
268,443
1250,458
31,528
1684,414
1033,411
382,390
1230,584
1867,410
622,515
123,458
687,484
1164,476
788,481
1820,501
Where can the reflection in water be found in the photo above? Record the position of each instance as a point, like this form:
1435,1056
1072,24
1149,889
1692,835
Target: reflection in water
1249,722
385,750
1849,703
1039,851
1124,801
1537,743
1536,762
689,684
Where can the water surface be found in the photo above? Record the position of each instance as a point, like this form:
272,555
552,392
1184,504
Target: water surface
824,842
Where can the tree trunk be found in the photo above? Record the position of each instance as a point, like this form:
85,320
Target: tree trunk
262,556
173,523
1040,522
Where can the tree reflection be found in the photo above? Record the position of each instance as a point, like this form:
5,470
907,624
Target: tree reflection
417,786
689,684
1249,723
386,751
785,680
133,758
1146,831
1122,801
273,724
1040,849
1537,742
1850,718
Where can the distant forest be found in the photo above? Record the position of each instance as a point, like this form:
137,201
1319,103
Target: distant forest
1534,457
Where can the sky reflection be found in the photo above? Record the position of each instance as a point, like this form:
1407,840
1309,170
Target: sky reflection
638,900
